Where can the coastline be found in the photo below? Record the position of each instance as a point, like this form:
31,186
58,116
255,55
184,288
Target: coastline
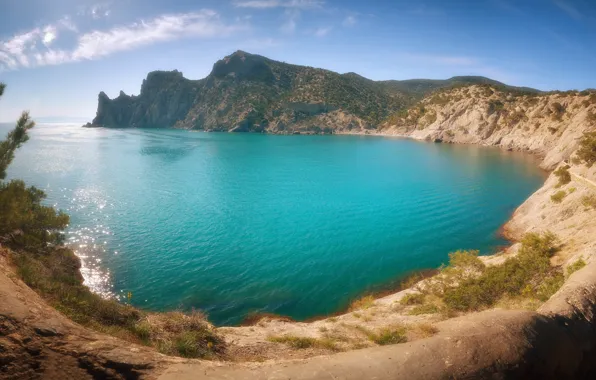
510,338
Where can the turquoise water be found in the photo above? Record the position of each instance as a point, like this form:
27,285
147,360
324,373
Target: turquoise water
240,223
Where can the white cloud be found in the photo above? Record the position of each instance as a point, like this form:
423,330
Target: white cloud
15,50
322,32
349,21
33,48
265,4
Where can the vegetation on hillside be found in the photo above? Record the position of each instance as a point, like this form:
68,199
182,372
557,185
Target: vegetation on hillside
467,284
587,149
563,174
33,235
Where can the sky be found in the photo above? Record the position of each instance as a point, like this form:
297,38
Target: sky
57,55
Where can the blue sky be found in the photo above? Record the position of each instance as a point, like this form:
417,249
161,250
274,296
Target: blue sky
56,56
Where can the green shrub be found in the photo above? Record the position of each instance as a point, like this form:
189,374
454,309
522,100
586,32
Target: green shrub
25,222
549,286
389,336
528,272
579,264
587,148
466,259
495,106
558,196
563,174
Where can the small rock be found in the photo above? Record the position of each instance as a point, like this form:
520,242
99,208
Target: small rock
46,331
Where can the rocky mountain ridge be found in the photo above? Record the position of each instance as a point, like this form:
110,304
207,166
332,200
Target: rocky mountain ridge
251,93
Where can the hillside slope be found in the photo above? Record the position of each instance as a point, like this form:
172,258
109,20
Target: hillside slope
548,125
251,93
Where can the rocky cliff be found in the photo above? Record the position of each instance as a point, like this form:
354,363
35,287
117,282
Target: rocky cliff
165,99
548,125
251,93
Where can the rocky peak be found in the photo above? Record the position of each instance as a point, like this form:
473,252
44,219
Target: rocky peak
103,96
243,66
160,79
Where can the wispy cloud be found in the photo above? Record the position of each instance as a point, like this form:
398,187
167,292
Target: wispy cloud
322,32
569,9
202,24
289,25
450,60
33,48
265,4
507,6
349,21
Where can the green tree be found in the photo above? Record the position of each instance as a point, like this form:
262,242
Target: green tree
25,222
587,148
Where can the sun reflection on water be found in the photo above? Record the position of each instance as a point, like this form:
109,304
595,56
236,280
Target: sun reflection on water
85,245
90,244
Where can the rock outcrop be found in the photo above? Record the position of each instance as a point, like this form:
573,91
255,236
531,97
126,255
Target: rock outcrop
165,99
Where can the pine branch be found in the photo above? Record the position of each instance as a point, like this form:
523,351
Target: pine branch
13,141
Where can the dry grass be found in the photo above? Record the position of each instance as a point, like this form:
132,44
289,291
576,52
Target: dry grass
301,343
363,303
518,303
412,299
424,330
589,201
176,333
428,308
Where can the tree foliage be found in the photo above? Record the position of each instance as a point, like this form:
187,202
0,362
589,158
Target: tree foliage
13,141
25,222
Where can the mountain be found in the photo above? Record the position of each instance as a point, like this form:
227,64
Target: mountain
251,93
422,87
